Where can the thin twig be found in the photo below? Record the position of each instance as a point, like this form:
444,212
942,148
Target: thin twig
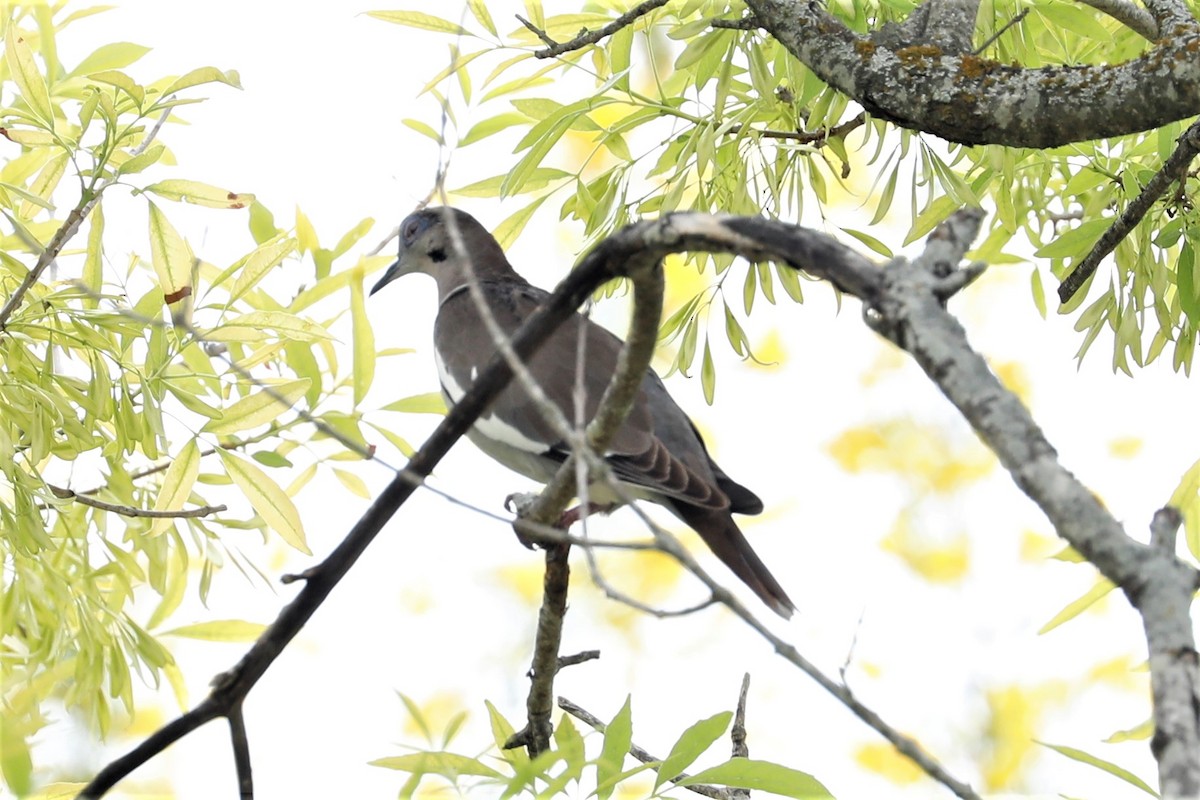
133,511
70,227
554,48
1134,17
241,752
1003,29
1173,169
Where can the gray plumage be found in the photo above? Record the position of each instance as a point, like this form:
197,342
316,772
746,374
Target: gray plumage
657,453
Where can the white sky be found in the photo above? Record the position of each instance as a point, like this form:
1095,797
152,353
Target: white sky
318,126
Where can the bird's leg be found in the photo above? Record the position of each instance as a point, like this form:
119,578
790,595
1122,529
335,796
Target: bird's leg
573,515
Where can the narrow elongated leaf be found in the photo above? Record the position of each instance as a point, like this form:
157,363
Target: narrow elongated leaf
253,325
694,741
448,765
201,194
429,403
29,80
259,408
171,256
745,773
267,498
617,738
417,19
220,630
1077,607
364,340
177,485
1100,763
251,268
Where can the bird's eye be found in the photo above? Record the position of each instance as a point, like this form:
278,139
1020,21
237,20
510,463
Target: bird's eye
409,231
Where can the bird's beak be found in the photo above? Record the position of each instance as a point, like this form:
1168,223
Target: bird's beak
393,272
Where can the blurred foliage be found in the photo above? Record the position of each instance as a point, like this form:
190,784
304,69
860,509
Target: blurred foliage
138,389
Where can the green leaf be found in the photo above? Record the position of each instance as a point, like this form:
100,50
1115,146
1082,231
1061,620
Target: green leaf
490,187
871,242
417,19
29,80
429,403
491,125
745,773
176,485
123,82
147,158
201,76
201,194
1099,763
617,737
270,501
507,231
259,408
251,267
172,258
109,56
251,325
364,340
220,630
708,374
448,765
1075,242
502,731
694,741
422,128
480,12
1039,291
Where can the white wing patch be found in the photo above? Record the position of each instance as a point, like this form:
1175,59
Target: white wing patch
488,426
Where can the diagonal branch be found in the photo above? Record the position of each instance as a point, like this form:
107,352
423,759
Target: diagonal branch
587,37
1134,17
1173,169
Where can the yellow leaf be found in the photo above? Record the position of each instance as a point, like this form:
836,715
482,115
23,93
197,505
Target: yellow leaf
936,562
270,501
886,761
305,233
220,630
1014,716
177,485
201,194
172,258
259,408
1125,446
1077,607
28,78
1012,375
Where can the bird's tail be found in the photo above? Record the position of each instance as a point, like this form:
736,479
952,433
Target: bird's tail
726,540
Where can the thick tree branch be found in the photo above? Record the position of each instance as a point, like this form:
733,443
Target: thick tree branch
1173,169
964,98
945,24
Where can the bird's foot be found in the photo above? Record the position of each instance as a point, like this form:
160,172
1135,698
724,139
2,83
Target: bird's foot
573,515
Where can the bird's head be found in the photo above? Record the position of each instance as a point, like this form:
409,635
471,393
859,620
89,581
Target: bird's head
442,242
